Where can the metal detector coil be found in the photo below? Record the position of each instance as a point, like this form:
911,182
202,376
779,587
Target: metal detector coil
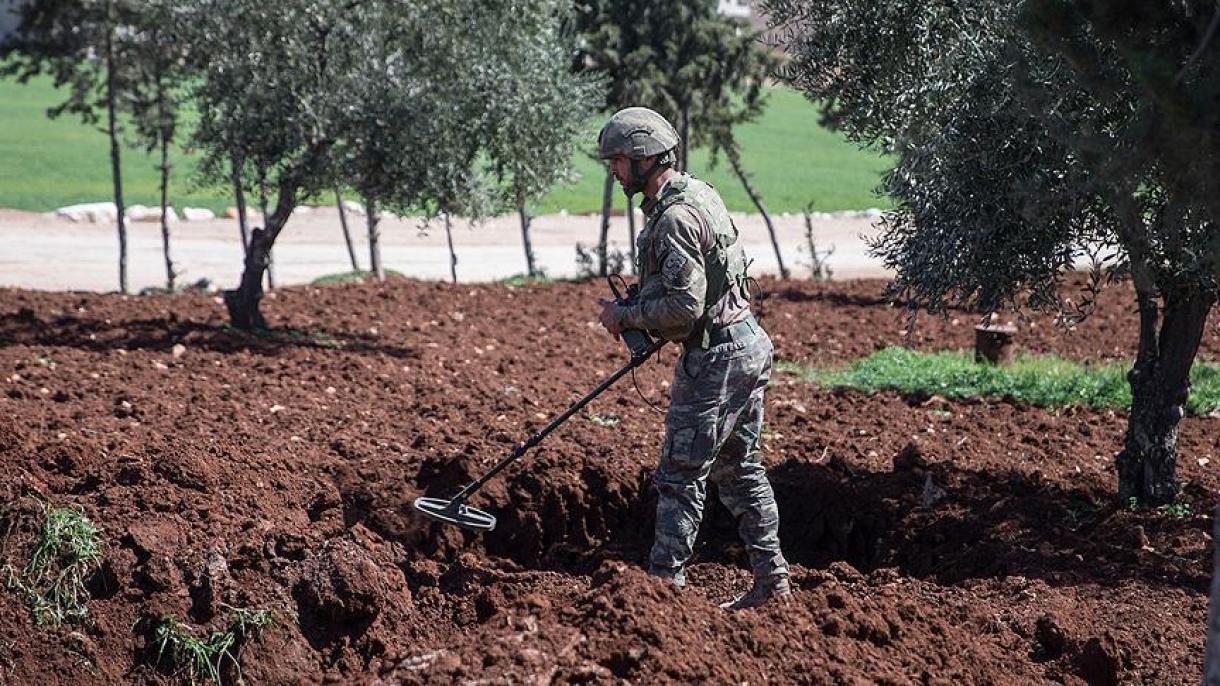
457,513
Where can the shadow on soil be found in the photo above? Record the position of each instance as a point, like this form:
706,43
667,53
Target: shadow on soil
792,294
933,522
26,328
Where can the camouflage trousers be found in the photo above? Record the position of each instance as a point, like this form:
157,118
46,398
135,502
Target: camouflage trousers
711,433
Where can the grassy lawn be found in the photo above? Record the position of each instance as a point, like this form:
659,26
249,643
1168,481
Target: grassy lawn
1040,381
49,164
792,160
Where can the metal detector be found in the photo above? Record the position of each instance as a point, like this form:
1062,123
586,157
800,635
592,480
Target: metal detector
456,511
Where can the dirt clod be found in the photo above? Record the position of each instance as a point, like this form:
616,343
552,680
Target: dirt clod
341,584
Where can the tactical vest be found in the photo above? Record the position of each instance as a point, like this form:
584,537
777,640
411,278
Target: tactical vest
725,261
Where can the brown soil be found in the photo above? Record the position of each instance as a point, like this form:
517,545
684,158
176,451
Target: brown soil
933,542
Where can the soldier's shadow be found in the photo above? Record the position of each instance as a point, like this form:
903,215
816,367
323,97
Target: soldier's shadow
948,524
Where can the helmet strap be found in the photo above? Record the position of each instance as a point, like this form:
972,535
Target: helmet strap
639,179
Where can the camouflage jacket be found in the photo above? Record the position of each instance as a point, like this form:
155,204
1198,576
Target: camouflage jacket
687,249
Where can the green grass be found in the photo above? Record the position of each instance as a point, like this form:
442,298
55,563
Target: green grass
1038,381
67,551
535,279
352,277
52,163
791,159
206,659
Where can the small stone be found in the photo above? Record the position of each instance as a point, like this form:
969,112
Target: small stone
178,350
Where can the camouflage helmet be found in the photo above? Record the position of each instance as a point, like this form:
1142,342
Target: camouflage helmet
636,133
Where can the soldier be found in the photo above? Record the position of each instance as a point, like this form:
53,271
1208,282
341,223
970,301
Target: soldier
693,290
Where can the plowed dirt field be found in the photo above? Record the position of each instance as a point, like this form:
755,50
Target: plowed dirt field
933,541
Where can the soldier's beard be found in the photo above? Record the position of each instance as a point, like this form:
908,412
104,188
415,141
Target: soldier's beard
639,179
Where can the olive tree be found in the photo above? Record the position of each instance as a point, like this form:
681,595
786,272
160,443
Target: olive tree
270,88
543,110
1030,136
392,99
156,71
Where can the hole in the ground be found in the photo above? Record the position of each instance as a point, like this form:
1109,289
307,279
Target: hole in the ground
934,521
103,583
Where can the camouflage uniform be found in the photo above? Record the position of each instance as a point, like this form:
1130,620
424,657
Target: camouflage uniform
688,252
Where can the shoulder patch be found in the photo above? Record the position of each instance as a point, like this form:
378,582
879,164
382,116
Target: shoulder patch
677,269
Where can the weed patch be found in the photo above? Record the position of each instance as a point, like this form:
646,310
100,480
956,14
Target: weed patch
538,278
1041,381
353,277
68,550
208,659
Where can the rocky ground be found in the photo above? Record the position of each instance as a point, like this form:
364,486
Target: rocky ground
933,541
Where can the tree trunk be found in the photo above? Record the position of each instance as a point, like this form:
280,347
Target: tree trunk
684,146
347,235
452,254
169,262
525,235
631,230
243,302
239,196
116,173
730,151
262,208
818,269
1211,661
374,222
1160,385
604,237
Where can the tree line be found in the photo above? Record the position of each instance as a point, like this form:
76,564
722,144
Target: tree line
438,107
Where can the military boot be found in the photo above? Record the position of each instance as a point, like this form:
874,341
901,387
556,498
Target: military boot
765,590
677,578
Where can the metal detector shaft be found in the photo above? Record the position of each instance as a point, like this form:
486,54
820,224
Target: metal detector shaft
534,440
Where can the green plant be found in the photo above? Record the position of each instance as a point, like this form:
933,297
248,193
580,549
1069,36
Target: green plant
205,659
248,622
1177,510
516,280
68,550
353,277
200,659
1041,381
